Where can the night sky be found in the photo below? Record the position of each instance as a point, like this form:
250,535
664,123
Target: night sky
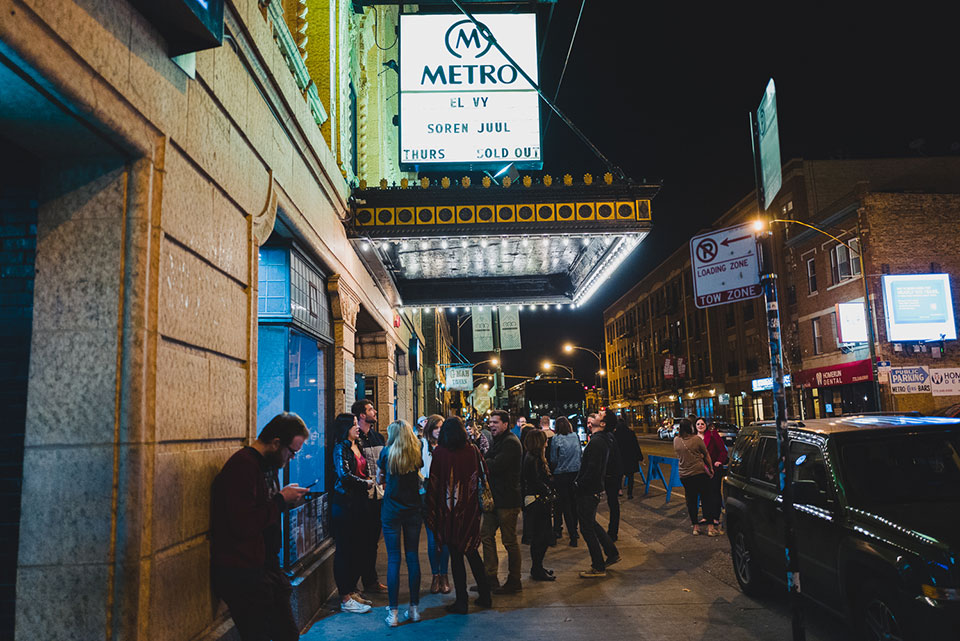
665,92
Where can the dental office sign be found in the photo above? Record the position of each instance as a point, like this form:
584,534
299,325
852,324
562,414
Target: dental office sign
461,102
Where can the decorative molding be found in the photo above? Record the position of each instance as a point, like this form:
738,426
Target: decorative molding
263,222
344,302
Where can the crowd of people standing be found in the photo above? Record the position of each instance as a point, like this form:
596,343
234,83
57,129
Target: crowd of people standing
460,482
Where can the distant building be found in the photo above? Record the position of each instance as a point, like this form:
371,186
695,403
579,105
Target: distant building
666,357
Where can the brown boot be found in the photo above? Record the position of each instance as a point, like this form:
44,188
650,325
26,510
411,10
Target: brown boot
445,584
435,584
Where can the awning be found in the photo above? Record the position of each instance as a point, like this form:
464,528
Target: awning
839,374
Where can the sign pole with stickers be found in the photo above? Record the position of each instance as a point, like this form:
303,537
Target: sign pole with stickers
765,136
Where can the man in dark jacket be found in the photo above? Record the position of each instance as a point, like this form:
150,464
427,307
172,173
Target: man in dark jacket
589,485
613,480
370,443
503,462
630,453
246,502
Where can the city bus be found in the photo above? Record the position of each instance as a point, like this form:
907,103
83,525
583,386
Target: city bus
549,396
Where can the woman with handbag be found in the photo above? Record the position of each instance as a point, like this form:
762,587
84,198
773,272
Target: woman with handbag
438,555
347,509
718,454
696,470
537,500
455,495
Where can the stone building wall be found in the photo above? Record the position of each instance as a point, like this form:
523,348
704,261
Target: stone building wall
143,355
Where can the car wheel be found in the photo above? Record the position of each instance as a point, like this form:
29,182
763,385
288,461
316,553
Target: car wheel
880,616
746,567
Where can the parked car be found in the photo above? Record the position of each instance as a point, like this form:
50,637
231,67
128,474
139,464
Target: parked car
728,431
949,410
668,430
877,519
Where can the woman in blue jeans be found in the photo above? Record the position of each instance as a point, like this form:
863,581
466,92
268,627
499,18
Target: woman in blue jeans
399,464
439,555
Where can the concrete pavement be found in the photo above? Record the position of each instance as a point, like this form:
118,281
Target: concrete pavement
670,585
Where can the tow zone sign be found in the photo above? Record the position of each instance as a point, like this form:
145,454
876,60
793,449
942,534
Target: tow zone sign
726,267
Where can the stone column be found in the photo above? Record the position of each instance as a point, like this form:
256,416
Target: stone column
375,358
344,305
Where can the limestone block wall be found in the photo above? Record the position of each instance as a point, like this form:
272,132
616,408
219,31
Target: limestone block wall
143,356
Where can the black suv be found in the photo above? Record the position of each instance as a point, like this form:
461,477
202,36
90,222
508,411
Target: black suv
877,519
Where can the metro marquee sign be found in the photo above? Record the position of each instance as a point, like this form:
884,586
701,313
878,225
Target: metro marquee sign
462,104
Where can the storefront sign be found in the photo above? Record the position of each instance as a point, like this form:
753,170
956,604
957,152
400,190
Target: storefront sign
763,384
945,381
840,374
919,307
460,378
910,380
461,102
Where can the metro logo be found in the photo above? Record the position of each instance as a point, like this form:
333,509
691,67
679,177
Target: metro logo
466,39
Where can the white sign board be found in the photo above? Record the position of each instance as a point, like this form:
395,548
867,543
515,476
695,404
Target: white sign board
460,378
851,323
482,319
726,267
945,381
461,102
509,328
919,307
910,380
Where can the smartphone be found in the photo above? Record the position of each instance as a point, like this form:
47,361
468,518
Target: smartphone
307,487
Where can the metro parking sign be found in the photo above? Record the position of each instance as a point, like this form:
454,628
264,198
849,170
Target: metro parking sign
910,380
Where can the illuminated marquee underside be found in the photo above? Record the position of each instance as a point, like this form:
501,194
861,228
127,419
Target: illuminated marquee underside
517,245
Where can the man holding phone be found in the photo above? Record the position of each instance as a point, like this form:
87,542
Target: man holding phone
245,537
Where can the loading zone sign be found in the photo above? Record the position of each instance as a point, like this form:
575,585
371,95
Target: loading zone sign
726,267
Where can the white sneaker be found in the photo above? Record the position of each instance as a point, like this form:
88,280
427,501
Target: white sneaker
350,605
393,618
413,613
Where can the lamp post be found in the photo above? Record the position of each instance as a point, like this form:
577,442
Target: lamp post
871,337
547,365
569,347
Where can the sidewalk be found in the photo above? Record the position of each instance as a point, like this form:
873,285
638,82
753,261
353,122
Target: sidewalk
669,585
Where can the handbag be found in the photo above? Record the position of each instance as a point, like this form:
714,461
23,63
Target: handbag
484,493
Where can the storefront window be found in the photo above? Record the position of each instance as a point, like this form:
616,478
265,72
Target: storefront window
738,409
758,408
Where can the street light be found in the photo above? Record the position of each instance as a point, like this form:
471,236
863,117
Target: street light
547,365
569,347
758,225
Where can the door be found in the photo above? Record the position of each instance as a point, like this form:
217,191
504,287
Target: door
765,505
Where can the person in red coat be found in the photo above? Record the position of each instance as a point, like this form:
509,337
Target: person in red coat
718,454
453,508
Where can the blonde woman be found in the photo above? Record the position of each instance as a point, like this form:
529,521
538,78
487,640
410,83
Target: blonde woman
399,464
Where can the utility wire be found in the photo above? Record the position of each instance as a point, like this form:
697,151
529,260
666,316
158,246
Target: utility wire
486,33
565,62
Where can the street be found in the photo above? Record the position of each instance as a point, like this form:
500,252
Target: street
670,585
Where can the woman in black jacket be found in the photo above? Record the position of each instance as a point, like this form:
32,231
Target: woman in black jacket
348,502
535,478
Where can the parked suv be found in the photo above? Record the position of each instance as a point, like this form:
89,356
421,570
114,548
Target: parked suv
877,519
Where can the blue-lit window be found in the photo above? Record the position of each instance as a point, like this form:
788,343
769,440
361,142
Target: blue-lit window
293,374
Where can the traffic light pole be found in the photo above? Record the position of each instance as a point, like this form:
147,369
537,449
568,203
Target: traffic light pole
768,280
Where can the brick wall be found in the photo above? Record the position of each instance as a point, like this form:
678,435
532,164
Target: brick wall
18,241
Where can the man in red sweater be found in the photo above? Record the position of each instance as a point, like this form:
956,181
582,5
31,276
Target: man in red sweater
246,503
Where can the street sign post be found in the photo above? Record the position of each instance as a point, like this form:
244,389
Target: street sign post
725,266
765,136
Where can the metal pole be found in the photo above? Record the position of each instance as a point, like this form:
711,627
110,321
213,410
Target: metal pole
768,279
871,337
496,349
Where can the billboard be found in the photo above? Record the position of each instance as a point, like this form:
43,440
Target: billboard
462,104
851,323
918,307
